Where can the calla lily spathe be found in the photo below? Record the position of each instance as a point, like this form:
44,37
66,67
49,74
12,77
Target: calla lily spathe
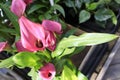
35,36
47,72
32,35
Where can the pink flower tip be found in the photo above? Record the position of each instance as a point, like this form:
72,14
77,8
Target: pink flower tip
47,72
18,7
52,26
3,46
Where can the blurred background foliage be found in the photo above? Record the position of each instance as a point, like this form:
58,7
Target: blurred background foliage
98,11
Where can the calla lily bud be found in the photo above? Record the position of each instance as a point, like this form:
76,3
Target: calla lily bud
47,72
18,7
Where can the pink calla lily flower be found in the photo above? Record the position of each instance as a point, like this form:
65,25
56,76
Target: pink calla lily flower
18,7
35,36
32,35
3,46
47,72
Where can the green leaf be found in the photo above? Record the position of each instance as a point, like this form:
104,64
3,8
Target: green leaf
117,1
47,16
68,74
59,8
81,76
104,2
78,4
78,50
26,59
86,1
4,36
44,55
64,26
102,23
67,51
69,3
7,63
34,8
7,30
114,18
86,39
57,52
34,74
103,14
59,64
72,4
11,16
56,78
56,1
84,16
70,32
92,6
41,17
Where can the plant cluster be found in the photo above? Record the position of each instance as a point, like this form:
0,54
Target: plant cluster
33,33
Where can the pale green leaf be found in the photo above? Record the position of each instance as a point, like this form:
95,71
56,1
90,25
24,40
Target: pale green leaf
84,16
81,76
68,74
57,52
7,63
92,6
34,74
86,39
26,59
57,78
114,18
67,51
